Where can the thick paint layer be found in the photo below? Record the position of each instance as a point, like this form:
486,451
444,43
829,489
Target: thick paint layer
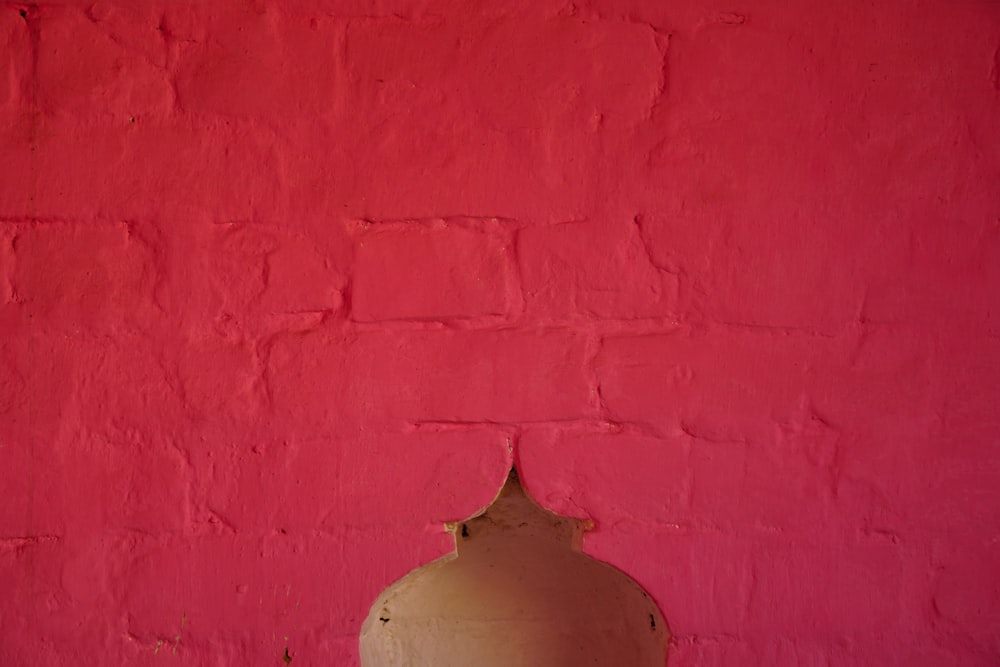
286,285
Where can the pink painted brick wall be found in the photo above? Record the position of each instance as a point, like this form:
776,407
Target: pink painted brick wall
286,285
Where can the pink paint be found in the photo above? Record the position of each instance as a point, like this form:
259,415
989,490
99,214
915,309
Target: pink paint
282,285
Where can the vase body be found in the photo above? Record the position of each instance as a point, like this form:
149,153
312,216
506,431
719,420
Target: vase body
517,593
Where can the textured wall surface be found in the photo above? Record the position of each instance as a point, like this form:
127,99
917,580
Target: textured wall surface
284,285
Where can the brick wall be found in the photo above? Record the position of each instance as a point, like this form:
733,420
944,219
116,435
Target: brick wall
285,285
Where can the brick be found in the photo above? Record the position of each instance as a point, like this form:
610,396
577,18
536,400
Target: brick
83,455
882,379
702,583
15,62
258,591
739,274
532,90
241,280
593,269
7,262
38,378
98,63
533,115
718,386
319,380
889,487
135,362
790,652
846,241
219,378
121,480
304,275
736,486
255,61
944,257
734,384
823,592
967,590
600,475
43,601
224,170
435,271
905,397
409,480
960,494
75,278
215,273
788,482
711,651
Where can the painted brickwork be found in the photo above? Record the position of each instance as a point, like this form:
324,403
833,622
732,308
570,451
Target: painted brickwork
282,284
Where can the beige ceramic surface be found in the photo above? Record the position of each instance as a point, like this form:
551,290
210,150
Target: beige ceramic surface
518,593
